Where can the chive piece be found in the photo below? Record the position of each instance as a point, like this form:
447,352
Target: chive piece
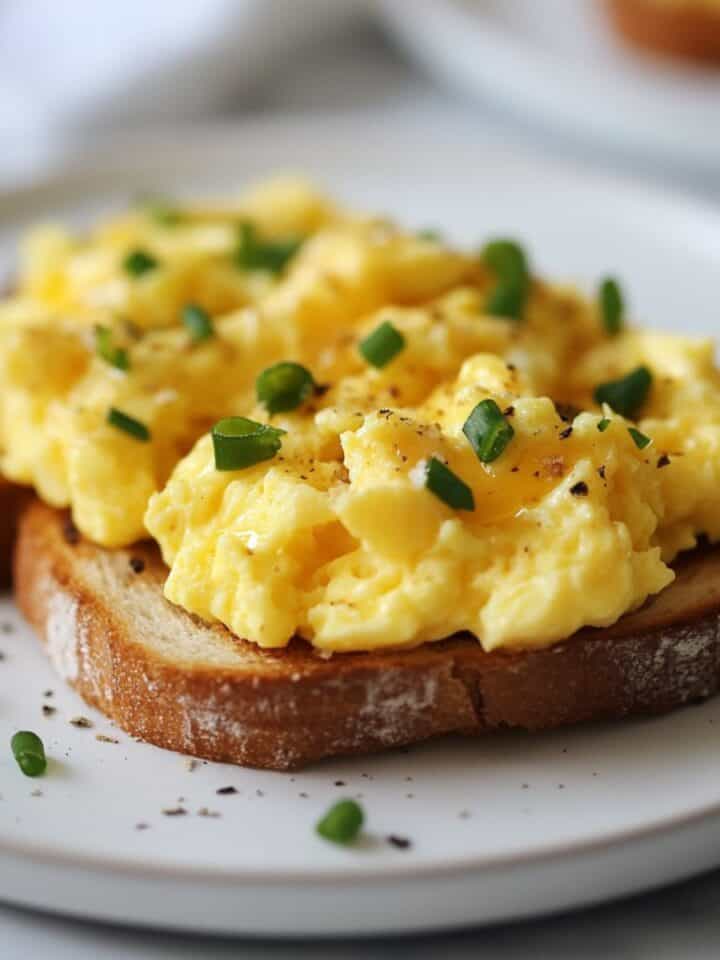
252,253
239,443
116,356
612,306
198,322
28,750
382,345
138,262
432,236
508,261
342,823
627,394
506,300
603,424
284,386
506,258
641,441
116,418
447,486
488,431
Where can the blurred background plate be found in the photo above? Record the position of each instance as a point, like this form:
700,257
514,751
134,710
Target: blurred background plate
556,62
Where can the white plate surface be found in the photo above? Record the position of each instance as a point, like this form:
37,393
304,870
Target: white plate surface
500,827
558,62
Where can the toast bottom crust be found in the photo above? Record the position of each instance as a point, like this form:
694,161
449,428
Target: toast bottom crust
170,679
690,31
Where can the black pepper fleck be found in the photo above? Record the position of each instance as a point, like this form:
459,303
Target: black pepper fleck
339,783
579,489
174,812
225,791
401,843
566,411
137,564
601,472
47,710
564,434
509,411
663,460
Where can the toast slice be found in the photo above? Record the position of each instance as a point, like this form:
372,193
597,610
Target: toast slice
688,29
11,500
167,677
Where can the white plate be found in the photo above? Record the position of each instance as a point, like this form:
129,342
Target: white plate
557,62
500,827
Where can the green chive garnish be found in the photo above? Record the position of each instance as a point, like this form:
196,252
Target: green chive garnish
342,823
382,345
239,443
506,258
138,262
488,431
612,308
626,395
447,486
284,386
252,253
128,424
508,262
432,236
28,750
603,424
115,356
198,322
641,441
506,300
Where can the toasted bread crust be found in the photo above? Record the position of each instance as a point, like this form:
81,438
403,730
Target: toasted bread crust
284,709
11,499
689,30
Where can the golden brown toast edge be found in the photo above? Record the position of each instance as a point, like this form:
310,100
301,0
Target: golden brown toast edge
284,709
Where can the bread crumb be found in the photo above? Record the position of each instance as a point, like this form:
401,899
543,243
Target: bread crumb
80,722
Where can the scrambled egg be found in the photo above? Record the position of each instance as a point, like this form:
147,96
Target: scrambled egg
338,537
